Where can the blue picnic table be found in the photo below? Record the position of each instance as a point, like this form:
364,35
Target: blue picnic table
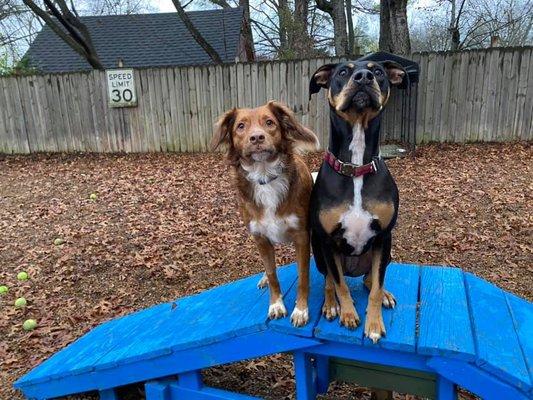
450,328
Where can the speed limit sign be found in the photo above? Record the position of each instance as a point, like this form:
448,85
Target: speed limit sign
121,88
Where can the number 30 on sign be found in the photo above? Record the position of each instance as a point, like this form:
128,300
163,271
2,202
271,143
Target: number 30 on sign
121,88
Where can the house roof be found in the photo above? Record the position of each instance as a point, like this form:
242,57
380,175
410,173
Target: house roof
142,40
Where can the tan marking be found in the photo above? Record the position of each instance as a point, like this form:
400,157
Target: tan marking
331,308
374,326
351,65
384,211
331,217
389,301
370,65
349,317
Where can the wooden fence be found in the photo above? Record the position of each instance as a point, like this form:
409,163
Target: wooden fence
484,95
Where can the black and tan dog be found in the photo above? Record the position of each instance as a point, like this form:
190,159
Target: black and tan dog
354,203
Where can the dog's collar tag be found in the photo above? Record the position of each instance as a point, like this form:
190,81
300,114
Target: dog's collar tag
349,169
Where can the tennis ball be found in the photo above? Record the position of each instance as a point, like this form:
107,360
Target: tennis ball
22,276
58,241
29,325
93,196
3,289
21,302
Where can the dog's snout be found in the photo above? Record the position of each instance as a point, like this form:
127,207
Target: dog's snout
257,138
363,76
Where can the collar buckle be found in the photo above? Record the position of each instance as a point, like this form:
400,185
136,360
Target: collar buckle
347,168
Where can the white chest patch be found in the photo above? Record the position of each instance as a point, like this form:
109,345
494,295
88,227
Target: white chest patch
356,221
269,196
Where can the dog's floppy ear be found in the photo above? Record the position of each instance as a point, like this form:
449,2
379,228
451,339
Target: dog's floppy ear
223,127
320,78
395,72
295,131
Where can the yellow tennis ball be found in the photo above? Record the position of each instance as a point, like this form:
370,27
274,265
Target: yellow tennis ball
21,302
58,241
22,276
3,289
29,325
93,196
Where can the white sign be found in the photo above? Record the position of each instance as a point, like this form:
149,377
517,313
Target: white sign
121,88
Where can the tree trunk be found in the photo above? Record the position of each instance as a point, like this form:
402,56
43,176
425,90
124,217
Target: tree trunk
300,42
335,8
247,31
394,31
351,34
284,16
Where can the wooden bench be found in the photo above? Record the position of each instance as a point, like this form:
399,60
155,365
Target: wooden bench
449,328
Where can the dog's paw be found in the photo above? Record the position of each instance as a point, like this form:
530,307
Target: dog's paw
300,317
277,310
349,318
374,327
263,282
331,311
388,300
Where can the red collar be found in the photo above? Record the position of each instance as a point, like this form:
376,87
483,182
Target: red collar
349,169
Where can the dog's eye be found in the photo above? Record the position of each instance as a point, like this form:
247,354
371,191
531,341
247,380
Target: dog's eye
378,73
240,126
343,72
269,122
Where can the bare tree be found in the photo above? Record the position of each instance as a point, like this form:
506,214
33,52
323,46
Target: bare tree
68,26
393,28
211,52
337,12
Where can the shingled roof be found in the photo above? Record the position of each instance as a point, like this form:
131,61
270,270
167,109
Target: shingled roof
143,40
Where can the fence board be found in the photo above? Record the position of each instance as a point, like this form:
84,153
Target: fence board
482,95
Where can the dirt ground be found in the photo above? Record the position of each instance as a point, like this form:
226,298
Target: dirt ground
166,225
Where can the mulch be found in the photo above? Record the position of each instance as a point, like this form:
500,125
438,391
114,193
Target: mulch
167,225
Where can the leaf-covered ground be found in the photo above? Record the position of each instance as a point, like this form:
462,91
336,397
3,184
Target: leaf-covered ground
166,225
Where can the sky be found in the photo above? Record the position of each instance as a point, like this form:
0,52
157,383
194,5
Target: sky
164,5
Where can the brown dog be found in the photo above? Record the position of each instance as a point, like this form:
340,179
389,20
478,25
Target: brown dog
274,187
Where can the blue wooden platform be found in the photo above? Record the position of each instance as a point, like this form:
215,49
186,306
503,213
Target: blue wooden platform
449,323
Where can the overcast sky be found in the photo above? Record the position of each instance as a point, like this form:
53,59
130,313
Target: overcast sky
164,5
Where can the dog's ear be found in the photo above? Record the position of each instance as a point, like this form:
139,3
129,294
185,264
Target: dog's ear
223,128
304,138
395,72
320,78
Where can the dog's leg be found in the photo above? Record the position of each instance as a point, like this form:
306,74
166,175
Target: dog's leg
349,317
300,315
266,250
263,282
389,301
374,326
331,308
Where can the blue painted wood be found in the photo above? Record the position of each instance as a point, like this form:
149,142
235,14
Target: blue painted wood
316,299
234,349
402,280
206,393
333,331
322,373
157,390
191,380
499,351
445,389
522,313
444,327
305,374
108,394
475,380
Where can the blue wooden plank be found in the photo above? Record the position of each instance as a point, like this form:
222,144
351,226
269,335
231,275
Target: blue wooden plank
333,330
499,351
444,326
235,349
157,390
316,299
474,379
322,373
446,389
306,387
206,393
522,313
108,394
402,280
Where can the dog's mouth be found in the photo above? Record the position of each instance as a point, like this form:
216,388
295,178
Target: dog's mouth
261,153
361,100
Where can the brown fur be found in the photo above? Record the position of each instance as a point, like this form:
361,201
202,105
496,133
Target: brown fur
283,136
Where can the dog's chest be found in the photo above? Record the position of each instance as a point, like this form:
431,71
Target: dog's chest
269,196
356,221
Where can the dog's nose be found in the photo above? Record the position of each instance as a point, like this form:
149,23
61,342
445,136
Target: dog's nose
257,138
363,77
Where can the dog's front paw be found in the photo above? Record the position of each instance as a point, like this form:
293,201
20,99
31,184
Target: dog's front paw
300,317
349,318
374,326
277,310
388,300
263,282
331,310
